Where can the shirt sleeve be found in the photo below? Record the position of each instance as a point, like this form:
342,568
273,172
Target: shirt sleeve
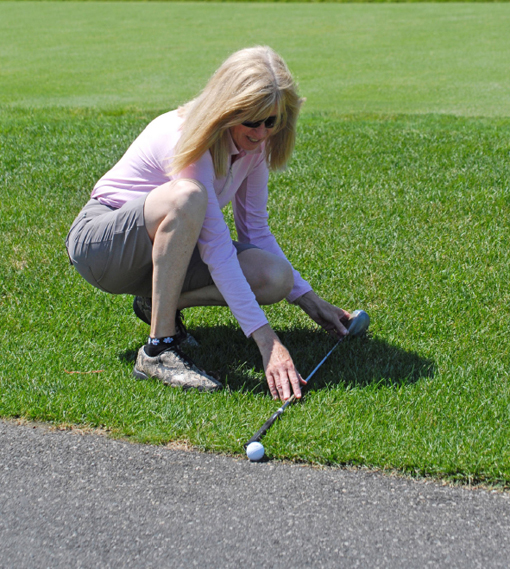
220,255
251,219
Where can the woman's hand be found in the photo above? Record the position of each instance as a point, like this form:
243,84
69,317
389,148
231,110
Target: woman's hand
330,317
281,374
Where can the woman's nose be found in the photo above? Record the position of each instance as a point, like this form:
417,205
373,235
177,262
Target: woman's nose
261,130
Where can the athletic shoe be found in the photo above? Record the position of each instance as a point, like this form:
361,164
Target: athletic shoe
174,368
142,307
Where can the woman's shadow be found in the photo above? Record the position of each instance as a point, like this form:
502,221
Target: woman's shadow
360,361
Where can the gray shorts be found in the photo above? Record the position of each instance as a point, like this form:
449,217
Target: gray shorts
112,250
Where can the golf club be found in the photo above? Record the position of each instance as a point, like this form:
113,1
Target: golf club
358,323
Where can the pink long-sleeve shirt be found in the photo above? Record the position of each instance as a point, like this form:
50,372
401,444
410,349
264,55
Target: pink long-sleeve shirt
146,165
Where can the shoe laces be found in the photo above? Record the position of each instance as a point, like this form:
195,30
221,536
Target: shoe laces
186,360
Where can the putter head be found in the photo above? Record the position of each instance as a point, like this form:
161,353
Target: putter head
358,323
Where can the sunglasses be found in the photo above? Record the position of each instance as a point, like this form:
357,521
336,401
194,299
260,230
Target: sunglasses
268,123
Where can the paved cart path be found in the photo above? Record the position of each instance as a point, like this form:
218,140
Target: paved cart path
83,500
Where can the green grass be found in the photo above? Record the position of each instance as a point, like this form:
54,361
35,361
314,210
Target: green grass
404,216
397,201
406,58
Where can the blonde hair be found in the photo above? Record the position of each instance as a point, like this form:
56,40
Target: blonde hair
246,87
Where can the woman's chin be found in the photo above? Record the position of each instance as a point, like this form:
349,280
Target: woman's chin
250,145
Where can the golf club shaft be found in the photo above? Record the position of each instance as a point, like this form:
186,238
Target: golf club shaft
267,425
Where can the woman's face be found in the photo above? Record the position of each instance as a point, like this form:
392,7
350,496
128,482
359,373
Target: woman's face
249,138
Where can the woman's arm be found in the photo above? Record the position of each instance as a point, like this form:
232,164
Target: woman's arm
218,252
251,219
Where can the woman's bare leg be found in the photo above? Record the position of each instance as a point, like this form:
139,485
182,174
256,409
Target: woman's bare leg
174,214
269,277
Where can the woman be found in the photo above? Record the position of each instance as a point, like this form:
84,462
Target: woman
154,226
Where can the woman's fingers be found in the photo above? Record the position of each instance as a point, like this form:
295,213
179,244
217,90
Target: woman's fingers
295,382
283,380
272,386
282,377
281,374
334,320
283,387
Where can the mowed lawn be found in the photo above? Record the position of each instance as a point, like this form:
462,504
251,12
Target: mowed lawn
413,58
396,201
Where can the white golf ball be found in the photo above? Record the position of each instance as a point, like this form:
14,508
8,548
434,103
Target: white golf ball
255,451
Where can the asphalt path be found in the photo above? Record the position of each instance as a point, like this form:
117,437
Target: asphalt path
69,499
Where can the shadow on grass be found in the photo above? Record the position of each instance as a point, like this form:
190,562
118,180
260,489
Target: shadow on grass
357,362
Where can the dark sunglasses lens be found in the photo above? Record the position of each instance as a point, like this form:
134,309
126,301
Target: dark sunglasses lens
250,124
268,123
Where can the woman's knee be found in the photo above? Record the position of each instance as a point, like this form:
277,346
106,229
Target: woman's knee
184,195
182,200
282,279
189,192
269,276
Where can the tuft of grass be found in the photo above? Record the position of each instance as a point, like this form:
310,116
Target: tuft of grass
405,216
